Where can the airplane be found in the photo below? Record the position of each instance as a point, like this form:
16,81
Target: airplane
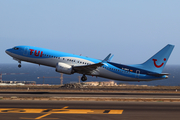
70,64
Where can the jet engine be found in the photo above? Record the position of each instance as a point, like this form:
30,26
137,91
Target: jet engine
64,68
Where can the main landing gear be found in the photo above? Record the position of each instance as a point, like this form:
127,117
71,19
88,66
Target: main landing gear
83,78
19,64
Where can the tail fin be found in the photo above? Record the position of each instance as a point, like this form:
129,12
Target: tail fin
157,62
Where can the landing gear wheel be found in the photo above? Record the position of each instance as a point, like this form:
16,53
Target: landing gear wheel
19,65
83,78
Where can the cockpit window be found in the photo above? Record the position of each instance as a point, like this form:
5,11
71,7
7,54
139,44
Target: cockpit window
15,48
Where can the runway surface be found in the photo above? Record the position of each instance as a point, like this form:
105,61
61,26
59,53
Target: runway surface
88,110
90,94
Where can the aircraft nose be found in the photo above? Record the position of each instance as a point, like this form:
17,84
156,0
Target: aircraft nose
7,51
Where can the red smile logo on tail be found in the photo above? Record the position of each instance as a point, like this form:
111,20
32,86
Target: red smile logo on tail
158,66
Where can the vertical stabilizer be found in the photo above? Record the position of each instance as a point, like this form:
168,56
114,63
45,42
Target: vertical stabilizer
157,62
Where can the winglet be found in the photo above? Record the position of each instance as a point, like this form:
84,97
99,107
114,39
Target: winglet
111,58
108,58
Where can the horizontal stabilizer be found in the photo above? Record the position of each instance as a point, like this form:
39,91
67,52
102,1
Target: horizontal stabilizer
158,75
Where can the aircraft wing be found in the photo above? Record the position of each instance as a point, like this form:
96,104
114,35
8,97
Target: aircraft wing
88,68
91,69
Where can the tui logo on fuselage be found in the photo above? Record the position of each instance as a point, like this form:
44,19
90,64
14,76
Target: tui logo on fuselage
36,53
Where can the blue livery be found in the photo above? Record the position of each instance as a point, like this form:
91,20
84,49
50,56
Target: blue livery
69,64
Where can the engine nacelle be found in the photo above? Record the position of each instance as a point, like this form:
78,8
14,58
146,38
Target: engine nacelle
64,68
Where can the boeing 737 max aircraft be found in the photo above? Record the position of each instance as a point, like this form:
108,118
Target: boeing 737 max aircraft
69,64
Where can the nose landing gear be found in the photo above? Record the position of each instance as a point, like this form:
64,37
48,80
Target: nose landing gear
83,78
19,64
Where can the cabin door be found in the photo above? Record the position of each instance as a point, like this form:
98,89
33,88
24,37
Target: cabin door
137,73
25,51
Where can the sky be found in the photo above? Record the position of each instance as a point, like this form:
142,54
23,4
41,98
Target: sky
132,30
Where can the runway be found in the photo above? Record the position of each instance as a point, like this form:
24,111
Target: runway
89,110
90,94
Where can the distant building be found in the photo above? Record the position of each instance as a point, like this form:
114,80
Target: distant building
110,83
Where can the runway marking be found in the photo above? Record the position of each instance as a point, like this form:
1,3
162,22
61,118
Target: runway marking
43,116
61,111
34,118
20,110
58,111
49,113
65,107
115,112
